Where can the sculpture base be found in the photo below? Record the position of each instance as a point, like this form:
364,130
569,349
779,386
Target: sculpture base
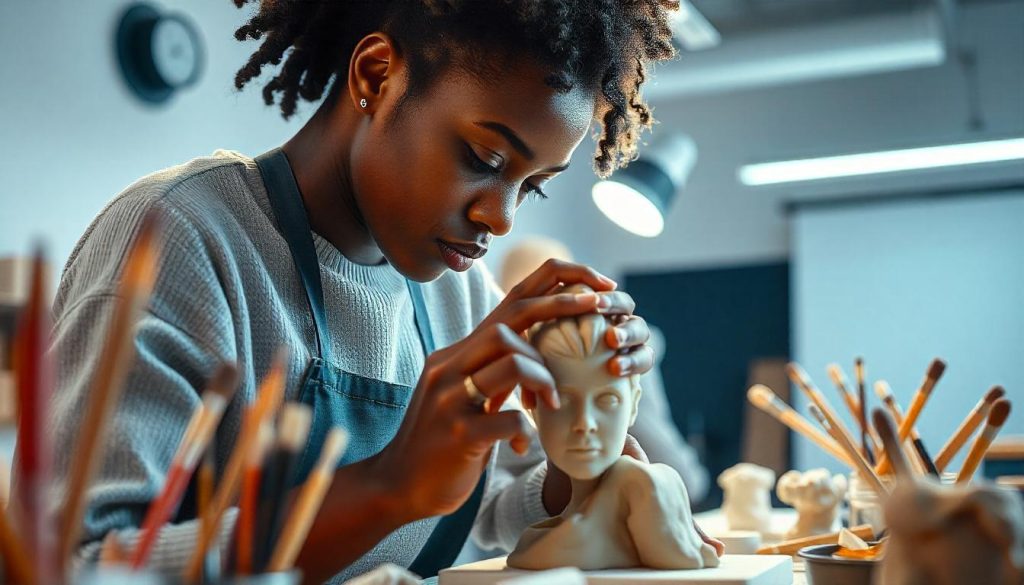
734,570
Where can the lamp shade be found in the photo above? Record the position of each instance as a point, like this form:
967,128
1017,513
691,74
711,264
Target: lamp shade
637,197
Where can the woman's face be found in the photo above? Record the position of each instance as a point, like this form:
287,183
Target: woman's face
435,182
586,435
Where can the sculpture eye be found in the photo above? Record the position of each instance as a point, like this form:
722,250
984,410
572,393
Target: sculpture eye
608,400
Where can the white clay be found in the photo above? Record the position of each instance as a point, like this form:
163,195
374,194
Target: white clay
816,495
747,500
953,535
623,513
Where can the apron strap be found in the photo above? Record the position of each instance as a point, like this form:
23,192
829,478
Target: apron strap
451,532
286,202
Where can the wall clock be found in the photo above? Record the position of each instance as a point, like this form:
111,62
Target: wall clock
159,53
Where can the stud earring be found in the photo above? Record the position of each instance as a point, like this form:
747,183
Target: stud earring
362,103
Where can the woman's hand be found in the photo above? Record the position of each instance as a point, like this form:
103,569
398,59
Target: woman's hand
437,455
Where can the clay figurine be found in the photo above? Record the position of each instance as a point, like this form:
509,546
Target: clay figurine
953,535
623,513
747,501
816,495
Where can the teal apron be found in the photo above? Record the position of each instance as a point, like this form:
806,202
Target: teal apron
370,410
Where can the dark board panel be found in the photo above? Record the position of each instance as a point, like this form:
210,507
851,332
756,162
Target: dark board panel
715,323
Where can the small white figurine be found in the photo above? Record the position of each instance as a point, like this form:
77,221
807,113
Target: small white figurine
953,535
747,500
623,512
816,495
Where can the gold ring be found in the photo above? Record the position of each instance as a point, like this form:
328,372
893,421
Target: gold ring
476,397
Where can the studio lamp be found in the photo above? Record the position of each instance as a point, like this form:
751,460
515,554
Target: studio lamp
637,197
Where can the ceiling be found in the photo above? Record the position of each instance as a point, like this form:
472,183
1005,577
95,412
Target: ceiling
735,17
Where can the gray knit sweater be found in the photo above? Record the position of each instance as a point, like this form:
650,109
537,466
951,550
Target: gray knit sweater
228,291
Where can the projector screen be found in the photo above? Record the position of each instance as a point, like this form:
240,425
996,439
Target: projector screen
902,281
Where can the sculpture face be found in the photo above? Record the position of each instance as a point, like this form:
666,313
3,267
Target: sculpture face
586,435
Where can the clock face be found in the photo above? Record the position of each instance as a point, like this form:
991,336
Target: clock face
175,51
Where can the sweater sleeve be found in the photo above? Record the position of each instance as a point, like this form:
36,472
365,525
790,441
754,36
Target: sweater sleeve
513,498
182,335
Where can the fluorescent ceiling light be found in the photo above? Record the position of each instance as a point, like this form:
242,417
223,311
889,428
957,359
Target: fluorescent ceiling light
889,161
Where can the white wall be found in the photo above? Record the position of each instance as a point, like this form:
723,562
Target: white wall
716,221
73,136
902,282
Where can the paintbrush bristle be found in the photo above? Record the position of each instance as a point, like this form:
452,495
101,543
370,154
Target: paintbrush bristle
935,369
334,447
761,396
224,381
1000,411
883,391
836,373
797,374
293,428
994,393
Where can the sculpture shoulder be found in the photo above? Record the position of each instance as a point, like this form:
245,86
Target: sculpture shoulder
633,473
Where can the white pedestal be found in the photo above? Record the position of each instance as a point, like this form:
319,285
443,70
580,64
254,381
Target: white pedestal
734,570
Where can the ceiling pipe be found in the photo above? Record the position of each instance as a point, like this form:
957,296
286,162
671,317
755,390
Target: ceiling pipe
856,46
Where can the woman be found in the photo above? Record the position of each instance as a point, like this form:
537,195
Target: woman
354,245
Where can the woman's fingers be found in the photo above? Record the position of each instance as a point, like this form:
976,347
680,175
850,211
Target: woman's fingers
490,343
633,362
499,378
510,425
555,272
718,545
628,333
634,450
616,302
522,314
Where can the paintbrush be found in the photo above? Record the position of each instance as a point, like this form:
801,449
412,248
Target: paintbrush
923,462
865,428
924,391
803,381
194,442
204,497
791,547
967,427
885,394
133,292
17,561
861,464
267,401
34,388
996,418
839,380
887,430
311,496
292,432
245,529
763,398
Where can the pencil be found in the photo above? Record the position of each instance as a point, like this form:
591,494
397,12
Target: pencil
105,391
791,547
763,398
194,442
267,401
887,430
34,388
974,418
862,466
308,503
996,418
803,381
245,529
292,432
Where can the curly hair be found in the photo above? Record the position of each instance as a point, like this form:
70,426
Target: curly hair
604,45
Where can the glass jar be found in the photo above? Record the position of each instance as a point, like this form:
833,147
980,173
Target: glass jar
865,505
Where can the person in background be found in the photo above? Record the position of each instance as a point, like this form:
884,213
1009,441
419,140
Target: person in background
654,428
